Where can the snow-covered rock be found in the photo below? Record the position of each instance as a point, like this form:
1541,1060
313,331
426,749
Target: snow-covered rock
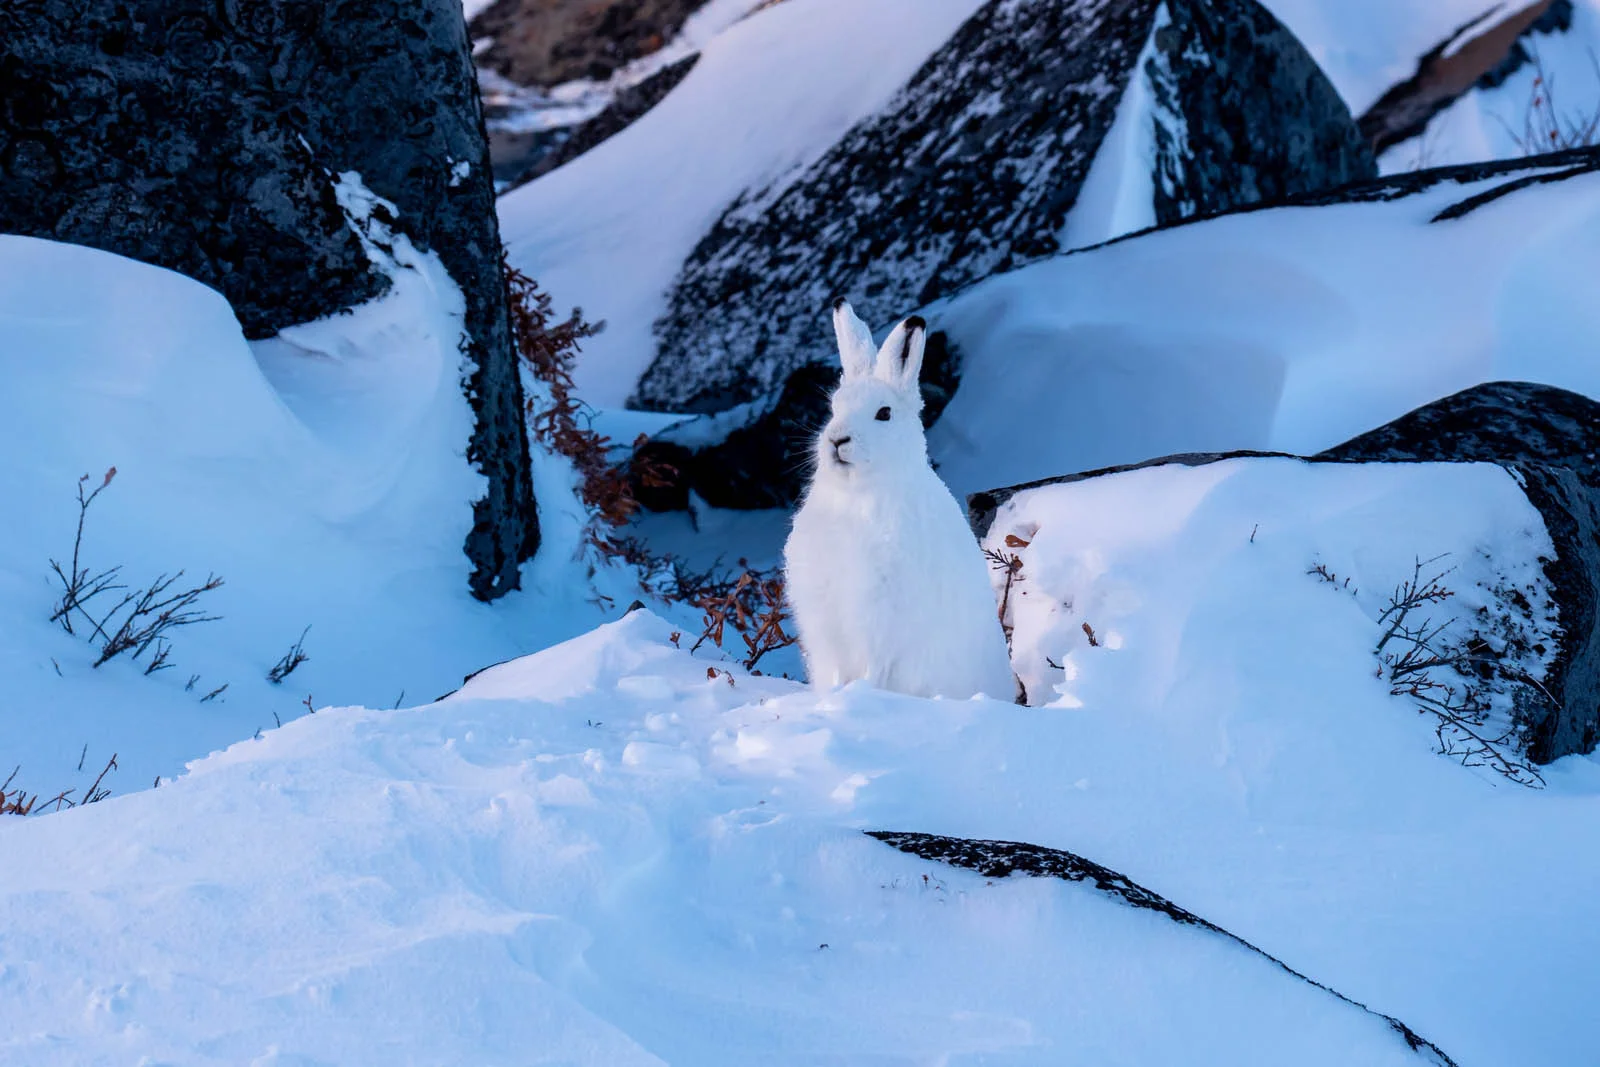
1288,329
1268,328
210,139
987,159
1550,440
768,96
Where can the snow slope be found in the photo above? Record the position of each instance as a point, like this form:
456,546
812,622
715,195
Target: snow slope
320,474
600,855
769,95
1289,329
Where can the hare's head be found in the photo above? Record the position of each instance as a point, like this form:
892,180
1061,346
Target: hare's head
876,426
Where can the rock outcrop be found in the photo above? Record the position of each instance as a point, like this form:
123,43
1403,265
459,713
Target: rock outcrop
975,165
547,42
205,137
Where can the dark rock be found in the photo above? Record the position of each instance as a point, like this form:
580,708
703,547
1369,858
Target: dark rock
204,136
1551,439
547,42
1260,121
563,146
974,166
765,462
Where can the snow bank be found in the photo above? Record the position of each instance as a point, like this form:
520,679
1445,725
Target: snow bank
320,474
600,855
1290,329
610,231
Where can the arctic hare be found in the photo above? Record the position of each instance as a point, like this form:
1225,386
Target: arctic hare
885,577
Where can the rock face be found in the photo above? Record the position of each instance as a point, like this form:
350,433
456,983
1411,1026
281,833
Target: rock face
974,166
1551,439
547,42
205,137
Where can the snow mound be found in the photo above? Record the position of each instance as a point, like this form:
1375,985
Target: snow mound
321,474
616,852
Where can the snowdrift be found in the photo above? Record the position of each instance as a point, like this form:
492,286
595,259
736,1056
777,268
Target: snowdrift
1287,329
320,474
616,852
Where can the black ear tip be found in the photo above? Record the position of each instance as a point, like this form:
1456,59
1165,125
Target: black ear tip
839,302
916,322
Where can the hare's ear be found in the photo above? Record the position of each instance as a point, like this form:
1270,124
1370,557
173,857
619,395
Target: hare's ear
900,358
855,340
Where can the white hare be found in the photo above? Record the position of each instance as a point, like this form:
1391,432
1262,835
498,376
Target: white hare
886,579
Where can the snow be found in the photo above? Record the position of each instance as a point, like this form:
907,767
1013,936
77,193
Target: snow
321,474
1368,46
615,851
601,855
769,95
1289,329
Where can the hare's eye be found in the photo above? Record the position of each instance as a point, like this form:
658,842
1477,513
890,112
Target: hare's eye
882,415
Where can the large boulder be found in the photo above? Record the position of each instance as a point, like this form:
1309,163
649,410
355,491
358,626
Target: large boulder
206,137
977,164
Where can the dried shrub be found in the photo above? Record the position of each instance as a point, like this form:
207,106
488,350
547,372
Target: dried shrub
291,659
19,801
1546,125
140,621
1009,564
753,604
549,346
1454,679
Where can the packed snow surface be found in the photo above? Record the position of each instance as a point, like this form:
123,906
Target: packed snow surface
617,852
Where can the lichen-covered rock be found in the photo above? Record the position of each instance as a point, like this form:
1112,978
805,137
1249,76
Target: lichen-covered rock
974,166
205,137
1551,439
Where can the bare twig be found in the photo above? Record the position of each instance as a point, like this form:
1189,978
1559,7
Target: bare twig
79,585
151,613
291,659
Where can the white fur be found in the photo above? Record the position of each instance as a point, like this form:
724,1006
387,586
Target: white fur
886,579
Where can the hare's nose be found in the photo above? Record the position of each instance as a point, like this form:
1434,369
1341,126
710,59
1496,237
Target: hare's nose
839,442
